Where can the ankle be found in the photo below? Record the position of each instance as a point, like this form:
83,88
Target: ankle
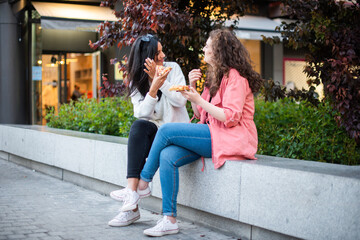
133,183
171,219
143,185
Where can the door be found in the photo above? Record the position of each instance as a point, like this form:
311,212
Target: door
50,91
96,71
63,73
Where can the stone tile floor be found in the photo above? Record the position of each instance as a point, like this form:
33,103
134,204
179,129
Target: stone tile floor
37,206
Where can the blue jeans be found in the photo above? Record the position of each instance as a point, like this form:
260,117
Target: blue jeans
175,145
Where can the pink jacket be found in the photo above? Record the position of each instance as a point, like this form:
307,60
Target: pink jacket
236,138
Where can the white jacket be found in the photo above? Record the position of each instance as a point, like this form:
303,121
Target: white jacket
170,108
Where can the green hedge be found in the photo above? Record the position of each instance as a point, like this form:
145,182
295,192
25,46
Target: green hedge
302,131
285,128
110,116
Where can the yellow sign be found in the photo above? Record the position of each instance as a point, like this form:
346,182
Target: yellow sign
118,74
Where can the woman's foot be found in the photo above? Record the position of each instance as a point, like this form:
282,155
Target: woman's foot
119,195
144,193
142,185
125,218
163,227
131,201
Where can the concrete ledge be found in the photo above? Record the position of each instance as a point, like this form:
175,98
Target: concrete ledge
270,198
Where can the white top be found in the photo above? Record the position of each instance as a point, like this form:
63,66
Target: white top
170,108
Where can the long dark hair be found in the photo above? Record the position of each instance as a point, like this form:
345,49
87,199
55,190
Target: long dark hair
144,47
230,53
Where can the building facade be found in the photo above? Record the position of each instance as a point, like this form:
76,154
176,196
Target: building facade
45,56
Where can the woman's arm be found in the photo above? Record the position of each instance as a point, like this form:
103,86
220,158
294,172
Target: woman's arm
194,97
143,107
156,83
194,76
195,110
156,80
233,101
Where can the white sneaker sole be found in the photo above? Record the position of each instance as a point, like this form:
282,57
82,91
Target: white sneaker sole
160,234
123,224
145,195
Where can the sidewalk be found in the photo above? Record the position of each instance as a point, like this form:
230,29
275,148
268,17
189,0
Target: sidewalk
37,206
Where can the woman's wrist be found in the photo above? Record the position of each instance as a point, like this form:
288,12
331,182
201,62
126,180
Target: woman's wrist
153,93
193,84
199,101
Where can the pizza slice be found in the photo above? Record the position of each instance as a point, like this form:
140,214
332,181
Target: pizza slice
179,88
162,70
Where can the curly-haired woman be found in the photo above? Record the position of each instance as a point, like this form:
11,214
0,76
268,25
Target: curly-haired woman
226,130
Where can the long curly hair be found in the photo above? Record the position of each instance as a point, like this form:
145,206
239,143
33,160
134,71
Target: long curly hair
230,53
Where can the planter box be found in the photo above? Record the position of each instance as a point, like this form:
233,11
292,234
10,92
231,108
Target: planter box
270,198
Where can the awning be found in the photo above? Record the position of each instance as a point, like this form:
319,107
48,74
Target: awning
72,16
252,27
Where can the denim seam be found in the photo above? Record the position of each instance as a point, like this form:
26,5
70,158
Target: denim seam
174,182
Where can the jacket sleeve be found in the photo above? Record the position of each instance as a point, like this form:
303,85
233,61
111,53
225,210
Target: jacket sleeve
234,98
143,108
175,77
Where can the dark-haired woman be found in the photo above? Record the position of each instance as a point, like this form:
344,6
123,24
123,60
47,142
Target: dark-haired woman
153,105
226,130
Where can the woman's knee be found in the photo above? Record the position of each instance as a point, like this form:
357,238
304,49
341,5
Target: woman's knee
142,127
139,124
168,156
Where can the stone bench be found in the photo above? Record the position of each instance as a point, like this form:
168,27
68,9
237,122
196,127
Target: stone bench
269,198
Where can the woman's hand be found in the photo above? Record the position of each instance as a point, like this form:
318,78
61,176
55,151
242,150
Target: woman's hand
192,95
156,83
194,76
150,67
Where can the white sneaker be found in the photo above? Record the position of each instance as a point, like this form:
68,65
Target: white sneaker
130,201
163,227
125,218
144,193
119,195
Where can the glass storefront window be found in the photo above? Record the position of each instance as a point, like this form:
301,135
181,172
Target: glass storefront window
295,78
254,49
56,73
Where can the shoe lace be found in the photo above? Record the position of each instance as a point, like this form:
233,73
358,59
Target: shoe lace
122,215
128,197
123,192
160,225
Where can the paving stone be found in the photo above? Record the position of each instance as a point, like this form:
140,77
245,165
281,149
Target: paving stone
16,236
37,206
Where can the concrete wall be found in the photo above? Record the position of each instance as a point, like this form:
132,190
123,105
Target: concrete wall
270,198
